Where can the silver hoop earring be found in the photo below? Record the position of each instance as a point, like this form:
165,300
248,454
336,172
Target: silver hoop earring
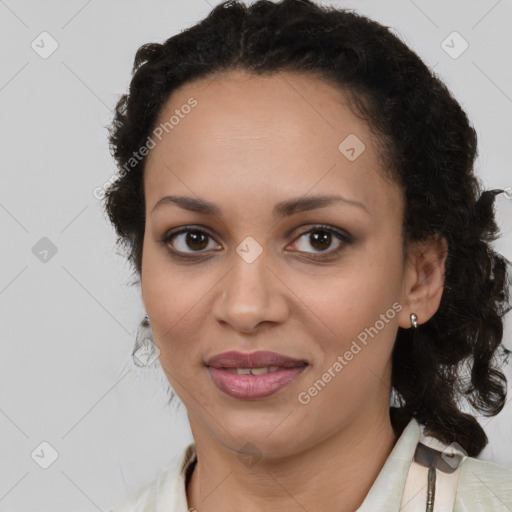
414,320
145,352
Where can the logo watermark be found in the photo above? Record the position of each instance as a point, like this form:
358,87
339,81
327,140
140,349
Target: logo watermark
305,397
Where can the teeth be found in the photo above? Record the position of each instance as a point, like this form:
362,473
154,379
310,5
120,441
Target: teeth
259,371
255,371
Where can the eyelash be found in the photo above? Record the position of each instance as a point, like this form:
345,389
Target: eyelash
322,256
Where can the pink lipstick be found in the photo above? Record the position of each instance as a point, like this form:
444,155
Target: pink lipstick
254,375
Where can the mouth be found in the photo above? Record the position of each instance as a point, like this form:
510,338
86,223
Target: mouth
253,360
255,375
253,371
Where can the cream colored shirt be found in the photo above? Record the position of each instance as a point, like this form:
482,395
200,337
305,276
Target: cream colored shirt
482,485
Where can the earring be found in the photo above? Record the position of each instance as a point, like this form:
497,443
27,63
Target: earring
414,320
145,353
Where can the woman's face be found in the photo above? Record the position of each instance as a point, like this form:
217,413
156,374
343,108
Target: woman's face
255,281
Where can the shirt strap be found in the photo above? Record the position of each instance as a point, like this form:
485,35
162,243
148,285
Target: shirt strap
445,461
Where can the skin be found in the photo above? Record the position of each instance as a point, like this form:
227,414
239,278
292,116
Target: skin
249,143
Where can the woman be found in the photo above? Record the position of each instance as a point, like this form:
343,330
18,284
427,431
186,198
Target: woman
297,197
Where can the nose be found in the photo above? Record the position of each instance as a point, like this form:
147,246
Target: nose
252,294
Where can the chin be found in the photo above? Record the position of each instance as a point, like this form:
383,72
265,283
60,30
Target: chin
259,439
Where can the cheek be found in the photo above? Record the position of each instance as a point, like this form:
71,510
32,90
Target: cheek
360,307
356,297
172,299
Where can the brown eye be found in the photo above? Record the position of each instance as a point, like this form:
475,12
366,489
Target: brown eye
320,241
196,240
188,240
320,238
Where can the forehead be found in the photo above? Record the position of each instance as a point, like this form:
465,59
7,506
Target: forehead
237,107
286,132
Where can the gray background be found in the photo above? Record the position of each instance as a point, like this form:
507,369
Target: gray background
69,319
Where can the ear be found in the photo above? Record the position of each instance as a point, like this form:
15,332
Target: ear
423,280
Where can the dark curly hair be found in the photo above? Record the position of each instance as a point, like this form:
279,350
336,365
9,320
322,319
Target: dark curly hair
428,147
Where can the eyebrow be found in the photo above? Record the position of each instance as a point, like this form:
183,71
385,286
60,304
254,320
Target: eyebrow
282,209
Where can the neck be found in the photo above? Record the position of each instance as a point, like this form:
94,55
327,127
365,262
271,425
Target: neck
335,474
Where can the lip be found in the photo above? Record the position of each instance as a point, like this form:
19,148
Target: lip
252,387
260,359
